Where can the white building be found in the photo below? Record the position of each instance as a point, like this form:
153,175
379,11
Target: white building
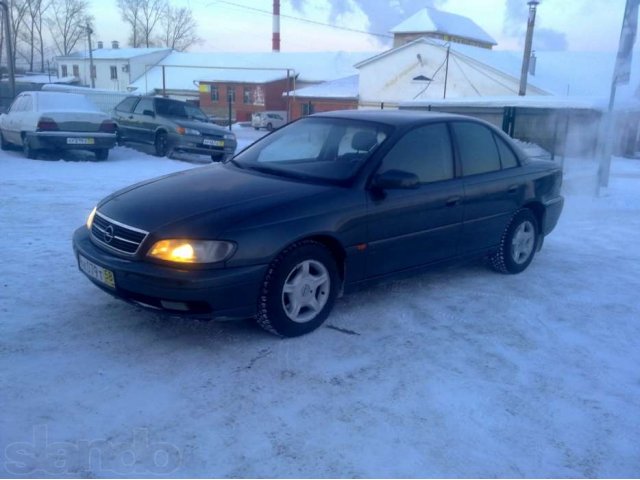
114,68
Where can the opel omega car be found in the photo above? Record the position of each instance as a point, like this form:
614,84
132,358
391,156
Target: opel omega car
318,208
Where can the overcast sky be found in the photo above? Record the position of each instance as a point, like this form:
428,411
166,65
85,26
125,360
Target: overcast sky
227,26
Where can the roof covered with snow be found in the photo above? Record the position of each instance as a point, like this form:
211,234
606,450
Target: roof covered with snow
344,88
115,53
430,20
183,69
44,79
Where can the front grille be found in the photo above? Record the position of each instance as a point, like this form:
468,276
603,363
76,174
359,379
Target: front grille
115,235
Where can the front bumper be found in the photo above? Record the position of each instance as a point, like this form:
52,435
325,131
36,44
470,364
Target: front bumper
210,293
194,144
72,140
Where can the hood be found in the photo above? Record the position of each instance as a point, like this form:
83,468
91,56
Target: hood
217,194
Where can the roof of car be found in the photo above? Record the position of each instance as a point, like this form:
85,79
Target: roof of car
390,117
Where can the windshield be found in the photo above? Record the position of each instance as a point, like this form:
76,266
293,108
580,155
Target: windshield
171,108
326,149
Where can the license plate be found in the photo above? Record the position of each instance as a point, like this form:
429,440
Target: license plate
80,141
213,143
96,272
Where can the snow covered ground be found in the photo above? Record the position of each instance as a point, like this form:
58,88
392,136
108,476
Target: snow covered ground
456,373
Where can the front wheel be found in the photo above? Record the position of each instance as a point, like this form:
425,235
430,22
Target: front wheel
518,244
299,290
161,144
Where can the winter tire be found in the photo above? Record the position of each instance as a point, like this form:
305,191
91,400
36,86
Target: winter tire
518,243
102,154
161,144
299,290
269,126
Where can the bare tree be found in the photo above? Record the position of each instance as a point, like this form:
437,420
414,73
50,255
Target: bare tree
67,22
142,16
179,28
32,33
17,11
130,11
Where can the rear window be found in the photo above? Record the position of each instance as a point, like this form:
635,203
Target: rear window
64,101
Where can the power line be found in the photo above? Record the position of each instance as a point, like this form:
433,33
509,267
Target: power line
301,19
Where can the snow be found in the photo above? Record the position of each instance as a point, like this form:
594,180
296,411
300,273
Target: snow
114,53
183,69
460,372
346,87
430,20
54,101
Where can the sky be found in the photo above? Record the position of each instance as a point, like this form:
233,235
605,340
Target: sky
246,25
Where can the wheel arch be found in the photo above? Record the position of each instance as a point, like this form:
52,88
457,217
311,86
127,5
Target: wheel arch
335,247
538,211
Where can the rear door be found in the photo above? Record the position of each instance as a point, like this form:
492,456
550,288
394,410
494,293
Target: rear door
493,185
413,227
123,115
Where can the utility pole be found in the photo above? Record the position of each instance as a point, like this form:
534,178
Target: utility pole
89,33
533,4
7,28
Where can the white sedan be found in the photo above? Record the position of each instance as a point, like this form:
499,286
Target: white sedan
53,120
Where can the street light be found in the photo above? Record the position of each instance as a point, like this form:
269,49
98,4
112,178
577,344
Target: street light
533,5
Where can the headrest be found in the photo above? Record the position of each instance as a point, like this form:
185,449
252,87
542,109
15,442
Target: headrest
363,141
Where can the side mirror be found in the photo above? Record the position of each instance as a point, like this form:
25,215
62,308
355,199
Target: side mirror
148,113
395,180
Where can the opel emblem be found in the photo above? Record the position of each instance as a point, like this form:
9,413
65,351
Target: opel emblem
108,234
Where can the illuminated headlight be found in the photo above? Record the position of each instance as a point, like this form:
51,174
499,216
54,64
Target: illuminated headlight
229,136
90,217
192,251
187,131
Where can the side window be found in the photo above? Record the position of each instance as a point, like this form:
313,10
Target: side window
507,157
27,106
17,105
127,104
425,152
478,150
144,104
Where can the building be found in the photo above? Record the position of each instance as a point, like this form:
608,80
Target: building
340,94
432,23
114,68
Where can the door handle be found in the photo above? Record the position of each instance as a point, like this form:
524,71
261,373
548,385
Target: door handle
453,201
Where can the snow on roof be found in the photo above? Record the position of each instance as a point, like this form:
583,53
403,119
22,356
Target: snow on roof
44,79
346,87
309,67
115,53
532,101
429,20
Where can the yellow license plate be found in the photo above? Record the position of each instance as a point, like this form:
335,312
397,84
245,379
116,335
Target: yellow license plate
101,275
80,141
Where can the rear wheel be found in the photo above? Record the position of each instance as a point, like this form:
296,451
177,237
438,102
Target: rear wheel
518,244
102,154
269,126
28,149
161,144
299,290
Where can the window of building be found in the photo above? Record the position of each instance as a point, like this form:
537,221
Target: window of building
215,93
478,150
247,95
231,94
307,109
63,71
425,152
76,71
114,72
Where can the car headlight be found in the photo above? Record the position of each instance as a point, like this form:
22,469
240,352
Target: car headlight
192,251
229,136
187,131
90,217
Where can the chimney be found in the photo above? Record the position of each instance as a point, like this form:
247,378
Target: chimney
532,63
275,40
100,44
115,45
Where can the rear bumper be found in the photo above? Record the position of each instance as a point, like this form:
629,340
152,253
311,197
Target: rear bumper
553,209
72,140
208,293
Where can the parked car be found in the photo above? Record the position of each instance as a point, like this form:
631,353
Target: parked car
268,120
321,207
54,120
172,125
